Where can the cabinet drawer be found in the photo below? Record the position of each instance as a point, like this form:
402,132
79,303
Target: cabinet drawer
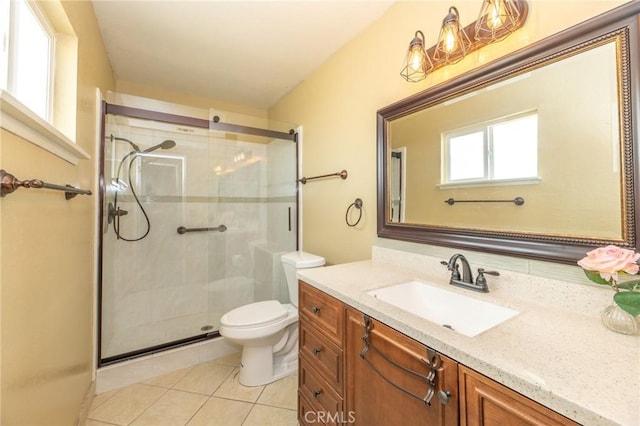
322,354
323,311
318,391
310,414
307,411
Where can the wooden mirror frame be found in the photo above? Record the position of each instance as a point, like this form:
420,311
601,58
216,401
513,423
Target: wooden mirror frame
621,20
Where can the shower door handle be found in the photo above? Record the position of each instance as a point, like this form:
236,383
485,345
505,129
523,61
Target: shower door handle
183,230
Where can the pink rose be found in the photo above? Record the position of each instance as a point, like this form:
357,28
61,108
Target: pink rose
610,260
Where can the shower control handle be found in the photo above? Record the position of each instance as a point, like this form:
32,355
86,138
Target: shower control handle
315,310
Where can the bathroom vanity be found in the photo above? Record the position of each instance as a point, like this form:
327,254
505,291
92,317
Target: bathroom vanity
364,361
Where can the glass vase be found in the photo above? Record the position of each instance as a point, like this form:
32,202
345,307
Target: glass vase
617,319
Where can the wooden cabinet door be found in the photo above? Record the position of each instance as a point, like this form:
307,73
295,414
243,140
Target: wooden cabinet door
486,402
377,386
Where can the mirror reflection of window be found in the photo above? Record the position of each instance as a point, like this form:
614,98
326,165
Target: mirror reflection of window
466,157
490,152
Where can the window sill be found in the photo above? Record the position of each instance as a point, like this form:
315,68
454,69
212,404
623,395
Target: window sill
497,182
19,120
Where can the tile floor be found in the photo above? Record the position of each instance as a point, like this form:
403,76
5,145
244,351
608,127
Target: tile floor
205,394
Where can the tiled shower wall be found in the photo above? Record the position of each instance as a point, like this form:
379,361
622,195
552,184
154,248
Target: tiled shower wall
168,286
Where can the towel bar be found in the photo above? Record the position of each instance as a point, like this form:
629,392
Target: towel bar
10,184
518,201
343,174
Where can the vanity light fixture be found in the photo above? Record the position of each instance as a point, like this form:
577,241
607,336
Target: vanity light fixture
497,19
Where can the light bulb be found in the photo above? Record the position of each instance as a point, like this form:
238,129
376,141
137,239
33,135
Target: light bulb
450,40
495,16
416,58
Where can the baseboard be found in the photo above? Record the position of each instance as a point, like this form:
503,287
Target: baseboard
85,406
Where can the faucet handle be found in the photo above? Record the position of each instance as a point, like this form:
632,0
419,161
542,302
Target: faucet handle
483,271
455,272
481,281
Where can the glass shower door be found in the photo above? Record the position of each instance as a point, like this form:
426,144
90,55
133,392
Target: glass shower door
192,228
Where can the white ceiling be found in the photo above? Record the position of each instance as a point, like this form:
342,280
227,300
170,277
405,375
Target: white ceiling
245,52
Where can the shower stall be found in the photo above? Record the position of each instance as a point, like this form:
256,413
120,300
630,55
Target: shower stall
196,212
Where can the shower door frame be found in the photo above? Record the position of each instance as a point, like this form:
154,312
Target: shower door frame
140,113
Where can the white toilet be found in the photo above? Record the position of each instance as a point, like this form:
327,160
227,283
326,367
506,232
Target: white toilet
268,330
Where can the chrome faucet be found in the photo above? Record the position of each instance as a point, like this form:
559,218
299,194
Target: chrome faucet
466,281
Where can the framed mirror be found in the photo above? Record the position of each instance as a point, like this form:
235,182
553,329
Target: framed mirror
533,155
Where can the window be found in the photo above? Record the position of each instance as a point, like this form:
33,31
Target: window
29,56
491,152
36,37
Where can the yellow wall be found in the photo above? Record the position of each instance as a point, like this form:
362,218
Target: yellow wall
46,264
337,106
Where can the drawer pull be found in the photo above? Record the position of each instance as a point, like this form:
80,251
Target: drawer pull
315,310
316,393
443,396
316,351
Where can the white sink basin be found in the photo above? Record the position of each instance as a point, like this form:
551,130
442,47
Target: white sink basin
463,314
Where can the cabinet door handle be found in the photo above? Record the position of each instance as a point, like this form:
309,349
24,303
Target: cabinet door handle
316,393
443,396
316,351
315,310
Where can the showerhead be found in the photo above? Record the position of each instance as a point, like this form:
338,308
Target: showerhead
135,147
167,144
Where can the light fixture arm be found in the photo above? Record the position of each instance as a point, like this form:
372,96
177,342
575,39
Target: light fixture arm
452,16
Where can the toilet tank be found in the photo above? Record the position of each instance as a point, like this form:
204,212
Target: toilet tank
293,261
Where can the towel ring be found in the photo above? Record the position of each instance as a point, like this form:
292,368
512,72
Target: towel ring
358,205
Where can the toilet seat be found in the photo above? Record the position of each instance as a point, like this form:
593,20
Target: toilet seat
255,314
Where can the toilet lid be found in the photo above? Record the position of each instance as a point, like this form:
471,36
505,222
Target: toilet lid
259,313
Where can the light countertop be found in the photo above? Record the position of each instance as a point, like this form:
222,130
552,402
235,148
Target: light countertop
555,351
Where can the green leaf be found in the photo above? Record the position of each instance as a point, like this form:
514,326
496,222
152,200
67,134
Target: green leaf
629,301
596,278
629,285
